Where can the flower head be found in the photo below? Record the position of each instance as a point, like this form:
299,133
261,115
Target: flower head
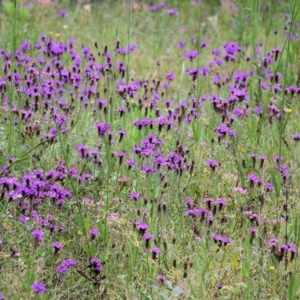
38,287
190,54
57,246
62,13
38,236
102,128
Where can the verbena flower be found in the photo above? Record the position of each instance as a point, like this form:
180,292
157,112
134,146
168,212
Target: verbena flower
57,246
62,13
213,164
64,267
38,287
296,137
96,265
181,44
134,195
155,252
94,233
102,128
190,54
38,236
172,11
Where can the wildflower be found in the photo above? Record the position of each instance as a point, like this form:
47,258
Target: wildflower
272,268
121,133
258,110
253,179
212,163
62,13
141,226
94,233
161,279
253,232
38,236
203,44
96,265
221,240
170,76
121,155
57,247
130,163
208,202
64,267
181,44
172,11
221,202
269,186
155,251
134,195
38,287
296,137
189,202
190,55
102,128
216,52
147,237
272,241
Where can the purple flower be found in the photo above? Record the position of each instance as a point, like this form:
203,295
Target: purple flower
102,128
203,44
130,163
94,233
1,296
272,241
62,13
66,265
96,265
216,52
212,163
181,44
38,287
134,195
141,226
190,54
57,247
204,71
38,235
161,279
155,251
221,202
147,236
189,202
172,11
296,137
170,76
23,219
221,240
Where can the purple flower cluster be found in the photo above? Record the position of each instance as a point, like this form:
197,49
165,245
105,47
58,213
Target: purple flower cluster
67,264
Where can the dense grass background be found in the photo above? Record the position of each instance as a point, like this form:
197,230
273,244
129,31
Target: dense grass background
100,147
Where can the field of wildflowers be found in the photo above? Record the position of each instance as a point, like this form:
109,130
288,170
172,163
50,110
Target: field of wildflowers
149,150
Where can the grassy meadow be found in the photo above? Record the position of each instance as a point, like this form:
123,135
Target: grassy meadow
149,150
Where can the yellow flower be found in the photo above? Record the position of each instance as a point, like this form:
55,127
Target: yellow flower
288,110
272,268
57,34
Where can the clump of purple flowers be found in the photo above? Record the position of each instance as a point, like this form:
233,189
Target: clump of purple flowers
64,267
